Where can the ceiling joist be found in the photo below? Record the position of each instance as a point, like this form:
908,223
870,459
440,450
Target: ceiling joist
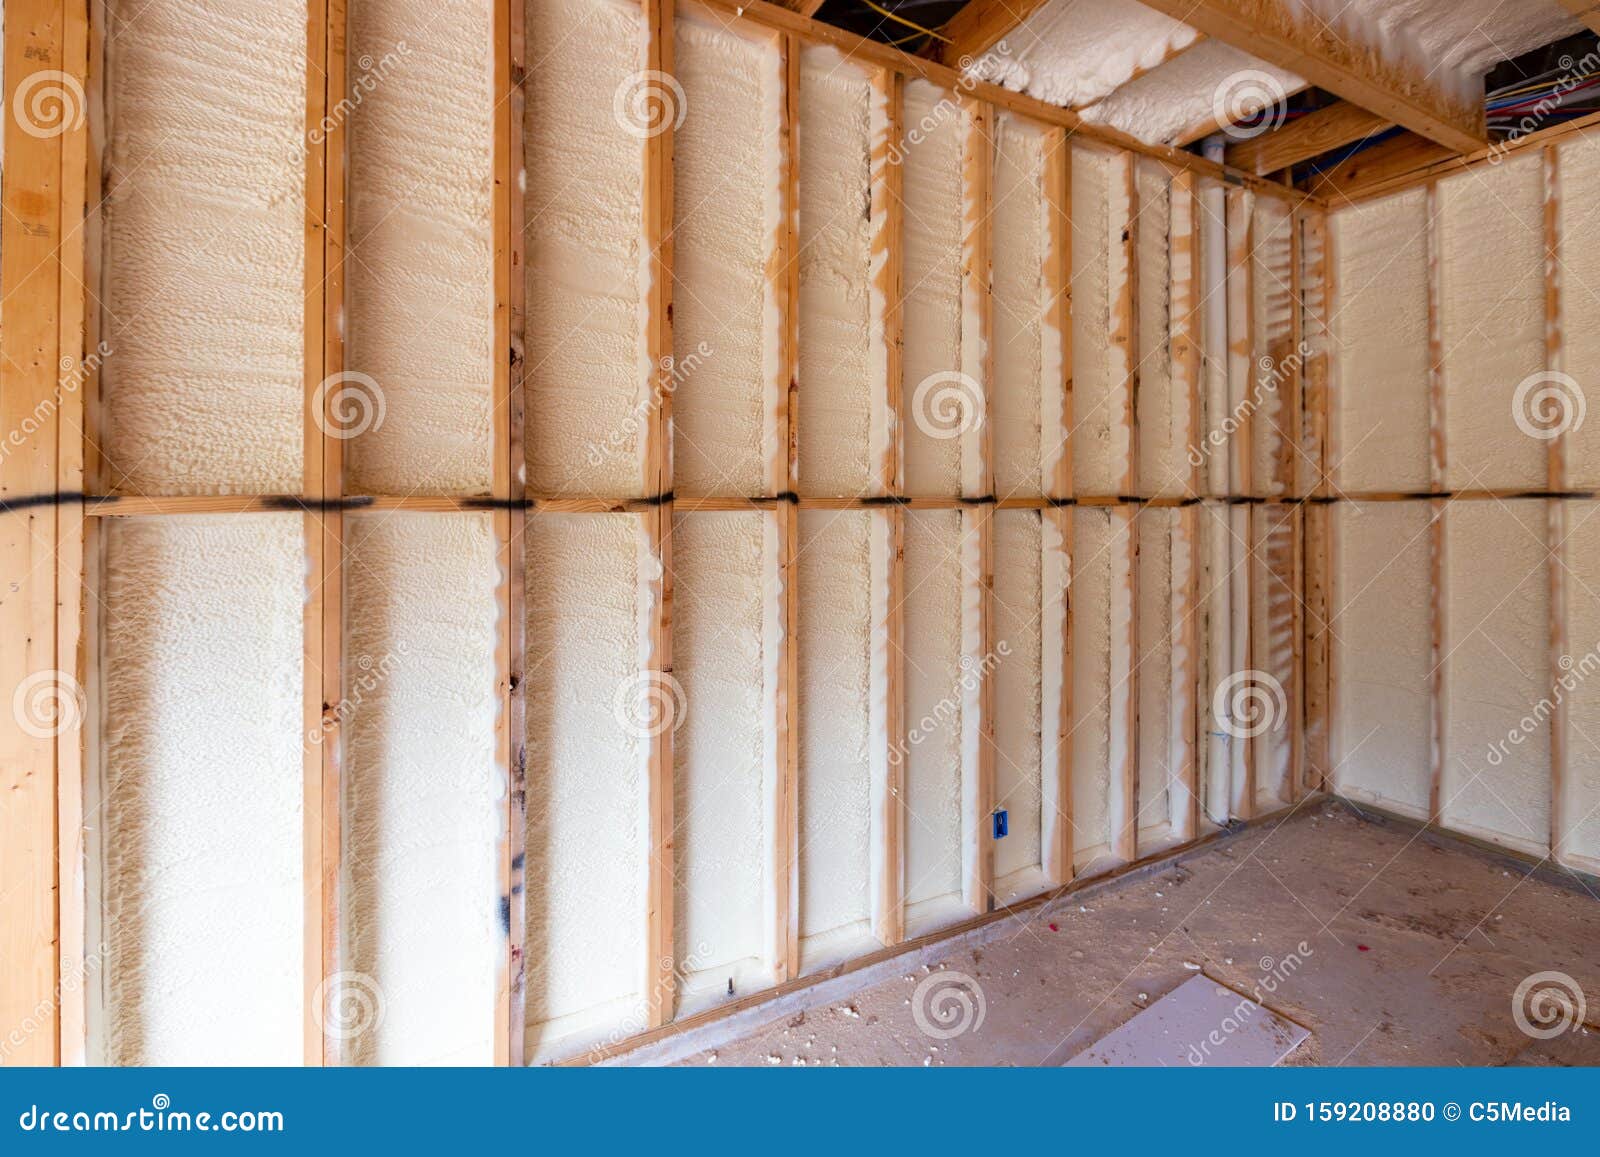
1335,126
1587,11
980,26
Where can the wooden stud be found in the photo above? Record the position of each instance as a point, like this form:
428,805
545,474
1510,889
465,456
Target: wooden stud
1313,301
1184,314
1438,472
1555,508
1241,346
1123,253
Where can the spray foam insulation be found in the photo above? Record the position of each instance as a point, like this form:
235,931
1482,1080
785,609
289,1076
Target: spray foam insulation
1273,626
1181,98
719,789
1578,166
1581,687
931,747
1094,468
1074,52
835,639
835,141
1155,526
197,863
424,802
419,284
1163,437
1497,615
1380,334
727,215
1016,406
1018,697
586,857
1491,241
931,229
1382,646
588,372
204,247
1275,362
1093,541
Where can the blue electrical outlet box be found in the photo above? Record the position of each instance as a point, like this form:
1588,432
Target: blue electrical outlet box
1001,824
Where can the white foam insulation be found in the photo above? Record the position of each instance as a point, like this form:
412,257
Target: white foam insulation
931,230
1275,601
835,630
586,805
1491,315
424,806
1015,404
1380,334
419,273
1163,441
588,375
719,753
1155,527
727,218
1093,541
1382,654
204,247
931,746
195,862
1580,837
1018,696
835,140
1578,168
1074,52
1098,210
1497,613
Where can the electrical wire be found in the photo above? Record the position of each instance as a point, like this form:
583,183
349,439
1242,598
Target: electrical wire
898,19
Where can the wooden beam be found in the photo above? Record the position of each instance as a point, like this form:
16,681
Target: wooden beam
1371,168
1275,31
979,26
1324,130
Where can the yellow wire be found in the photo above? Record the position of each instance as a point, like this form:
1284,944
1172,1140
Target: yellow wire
907,23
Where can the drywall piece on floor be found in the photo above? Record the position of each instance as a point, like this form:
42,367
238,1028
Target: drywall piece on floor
204,248
1275,364
931,229
1275,601
834,131
727,216
424,805
1201,1024
587,751
1093,542
1182,100
1580,839
1163,438
1018,675
1578,172
419,278
719,754
835,640
1016,401
931,746
1491,314
588,374
1075,52
1155,526
1382,654
1096,468
1496,783
1380,343
196,870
